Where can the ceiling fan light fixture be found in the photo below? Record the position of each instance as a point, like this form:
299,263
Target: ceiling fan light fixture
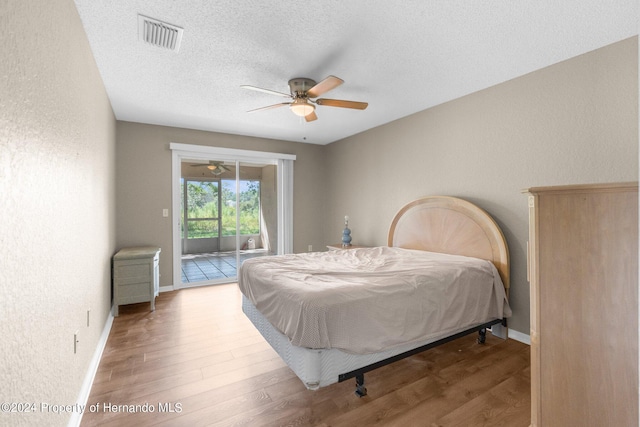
301,107
303,97
215,169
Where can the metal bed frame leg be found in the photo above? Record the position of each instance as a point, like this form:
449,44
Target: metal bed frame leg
482,336
361,390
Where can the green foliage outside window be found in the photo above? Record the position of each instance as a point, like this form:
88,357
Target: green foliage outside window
249,208
202,202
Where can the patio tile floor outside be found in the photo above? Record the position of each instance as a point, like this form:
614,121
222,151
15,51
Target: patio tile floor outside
213,266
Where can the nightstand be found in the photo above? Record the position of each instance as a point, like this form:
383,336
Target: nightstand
136,276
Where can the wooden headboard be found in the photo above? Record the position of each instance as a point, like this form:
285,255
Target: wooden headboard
452,226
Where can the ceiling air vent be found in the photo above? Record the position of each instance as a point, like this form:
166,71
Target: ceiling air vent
159,33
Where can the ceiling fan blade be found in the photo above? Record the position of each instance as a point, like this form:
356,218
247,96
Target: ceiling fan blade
269,107
311,116
326,85
342,103
272,92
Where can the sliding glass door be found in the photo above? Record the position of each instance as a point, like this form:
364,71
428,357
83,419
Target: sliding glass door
229,210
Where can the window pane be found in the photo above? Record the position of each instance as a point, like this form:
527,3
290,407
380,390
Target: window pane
202,229
228,208
249,207
202,199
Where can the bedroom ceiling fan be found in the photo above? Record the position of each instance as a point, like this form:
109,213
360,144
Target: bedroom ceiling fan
302,92
216,168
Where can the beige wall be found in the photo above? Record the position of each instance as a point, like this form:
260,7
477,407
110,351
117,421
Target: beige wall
143,185
574,122
57,154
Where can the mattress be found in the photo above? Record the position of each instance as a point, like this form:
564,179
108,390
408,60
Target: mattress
371,300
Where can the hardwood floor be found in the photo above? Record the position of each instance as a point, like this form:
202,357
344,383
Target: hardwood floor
197,360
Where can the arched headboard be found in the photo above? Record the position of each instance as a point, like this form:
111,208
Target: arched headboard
452,226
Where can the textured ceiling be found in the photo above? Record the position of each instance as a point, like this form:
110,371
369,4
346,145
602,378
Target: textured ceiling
400,56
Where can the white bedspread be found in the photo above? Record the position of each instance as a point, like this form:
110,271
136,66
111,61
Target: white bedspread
367,300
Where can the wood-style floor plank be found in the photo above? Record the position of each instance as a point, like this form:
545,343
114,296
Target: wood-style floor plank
198,361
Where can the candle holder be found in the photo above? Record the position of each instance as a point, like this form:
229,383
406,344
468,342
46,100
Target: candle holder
346,233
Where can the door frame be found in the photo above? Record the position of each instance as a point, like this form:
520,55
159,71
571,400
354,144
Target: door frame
284,163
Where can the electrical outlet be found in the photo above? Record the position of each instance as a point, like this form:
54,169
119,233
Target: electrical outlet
75,342
310,248
165,213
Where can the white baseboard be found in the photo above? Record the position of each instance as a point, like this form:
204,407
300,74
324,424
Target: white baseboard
519,336
83,396
166,289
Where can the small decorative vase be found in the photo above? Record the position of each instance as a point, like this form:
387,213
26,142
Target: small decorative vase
346,233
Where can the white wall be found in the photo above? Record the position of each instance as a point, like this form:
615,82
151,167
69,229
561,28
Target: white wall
57,201
574,122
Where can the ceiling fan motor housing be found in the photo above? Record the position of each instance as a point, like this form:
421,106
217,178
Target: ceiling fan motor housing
300,85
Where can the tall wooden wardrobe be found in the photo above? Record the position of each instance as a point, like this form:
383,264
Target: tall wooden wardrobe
583,273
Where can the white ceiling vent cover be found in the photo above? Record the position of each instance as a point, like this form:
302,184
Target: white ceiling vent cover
159,33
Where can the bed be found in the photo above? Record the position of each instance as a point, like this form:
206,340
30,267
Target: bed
336,315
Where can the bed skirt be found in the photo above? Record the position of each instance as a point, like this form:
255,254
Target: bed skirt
318,367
